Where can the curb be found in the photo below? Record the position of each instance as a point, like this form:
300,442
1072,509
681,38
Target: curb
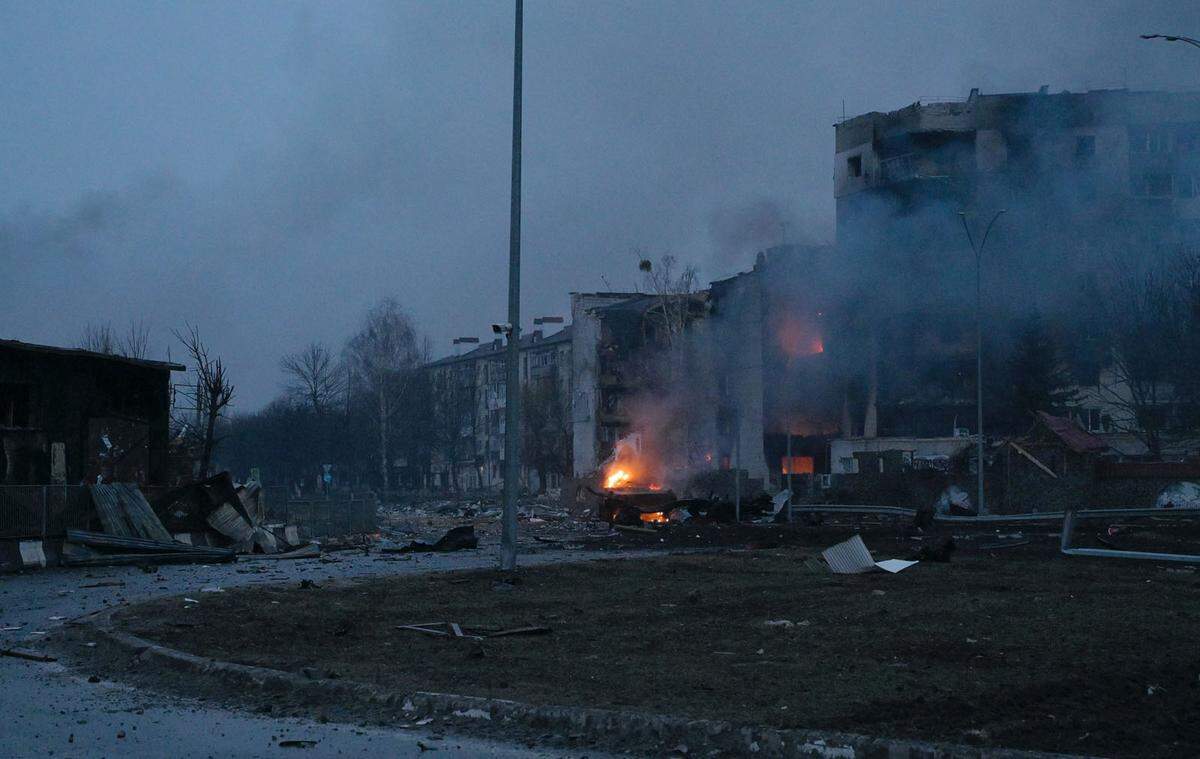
608,728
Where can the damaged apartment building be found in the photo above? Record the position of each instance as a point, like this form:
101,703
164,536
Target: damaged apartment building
1089,181
469,403
730,377
821,358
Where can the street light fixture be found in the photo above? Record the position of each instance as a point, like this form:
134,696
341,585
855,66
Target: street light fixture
1172,38
978,251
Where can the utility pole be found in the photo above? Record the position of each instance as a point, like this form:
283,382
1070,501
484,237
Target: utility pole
512,385
737,468
978,251
791,492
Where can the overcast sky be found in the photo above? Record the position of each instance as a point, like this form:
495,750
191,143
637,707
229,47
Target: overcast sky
268,170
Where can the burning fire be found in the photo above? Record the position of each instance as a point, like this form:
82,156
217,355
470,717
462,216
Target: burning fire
654,517
617,478
797,339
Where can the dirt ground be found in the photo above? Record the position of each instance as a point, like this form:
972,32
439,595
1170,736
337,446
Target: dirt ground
1018,647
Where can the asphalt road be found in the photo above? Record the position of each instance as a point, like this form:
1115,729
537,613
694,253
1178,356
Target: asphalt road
50,710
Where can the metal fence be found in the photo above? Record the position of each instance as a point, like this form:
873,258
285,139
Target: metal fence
44,511
320,517
48,511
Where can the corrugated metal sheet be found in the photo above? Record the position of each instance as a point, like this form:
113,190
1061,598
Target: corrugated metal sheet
1072,435
849,557
227,521
124,512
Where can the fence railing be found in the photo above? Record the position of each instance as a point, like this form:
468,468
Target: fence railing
40,511
336,515
48,511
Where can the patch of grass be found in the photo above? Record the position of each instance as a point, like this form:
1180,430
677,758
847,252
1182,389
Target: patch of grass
1024,651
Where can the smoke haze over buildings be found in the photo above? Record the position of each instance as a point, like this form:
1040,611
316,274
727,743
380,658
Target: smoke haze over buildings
268,171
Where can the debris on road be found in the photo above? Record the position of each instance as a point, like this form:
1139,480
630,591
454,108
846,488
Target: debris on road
852,557
23,653
456,539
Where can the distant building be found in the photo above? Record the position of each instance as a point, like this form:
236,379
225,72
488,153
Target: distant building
470,399
72,416
1092,181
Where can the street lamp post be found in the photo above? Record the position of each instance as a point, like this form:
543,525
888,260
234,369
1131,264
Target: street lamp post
978,251
512,385
1172,38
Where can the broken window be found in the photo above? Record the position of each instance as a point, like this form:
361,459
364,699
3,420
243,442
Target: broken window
797,465
1158,185
854,165
1185,186
1085,146
14,404
1142,140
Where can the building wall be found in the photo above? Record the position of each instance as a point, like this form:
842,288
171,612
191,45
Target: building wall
479,379
72,401
585,378
842,459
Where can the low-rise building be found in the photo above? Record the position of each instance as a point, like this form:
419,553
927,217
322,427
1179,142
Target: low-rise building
71,416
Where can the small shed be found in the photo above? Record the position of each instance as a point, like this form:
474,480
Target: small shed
68,416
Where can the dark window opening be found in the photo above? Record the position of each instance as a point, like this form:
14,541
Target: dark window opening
1158,185
14,405
1185,186
854,165
1085,146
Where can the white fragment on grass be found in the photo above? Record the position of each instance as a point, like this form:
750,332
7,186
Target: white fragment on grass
784,623
472,714
821,748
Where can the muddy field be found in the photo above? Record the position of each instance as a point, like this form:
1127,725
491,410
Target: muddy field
1016,647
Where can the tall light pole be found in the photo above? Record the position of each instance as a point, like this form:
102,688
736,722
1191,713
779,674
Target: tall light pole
978,251
512,385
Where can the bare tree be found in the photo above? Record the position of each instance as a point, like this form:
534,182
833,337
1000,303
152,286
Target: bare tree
675,288
99,338
384,353
1152,335
214,392
136,343
315,377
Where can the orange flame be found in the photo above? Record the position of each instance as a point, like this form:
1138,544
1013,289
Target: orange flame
617,478
654,517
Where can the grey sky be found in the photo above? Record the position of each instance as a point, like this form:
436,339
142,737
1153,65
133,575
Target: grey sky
268,170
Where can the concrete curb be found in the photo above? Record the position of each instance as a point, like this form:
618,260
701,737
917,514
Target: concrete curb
654,733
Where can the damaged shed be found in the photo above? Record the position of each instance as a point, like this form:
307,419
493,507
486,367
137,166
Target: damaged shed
68,416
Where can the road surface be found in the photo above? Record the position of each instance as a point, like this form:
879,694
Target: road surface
50,710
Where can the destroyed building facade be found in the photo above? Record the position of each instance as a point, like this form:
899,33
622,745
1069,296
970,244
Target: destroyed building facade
1089,182
469,400
72,416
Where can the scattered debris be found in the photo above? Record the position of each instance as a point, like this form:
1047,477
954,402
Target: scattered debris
310,551
1004,544
296,743
455,630
940,553
456,539
852,557
105,584
23,653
